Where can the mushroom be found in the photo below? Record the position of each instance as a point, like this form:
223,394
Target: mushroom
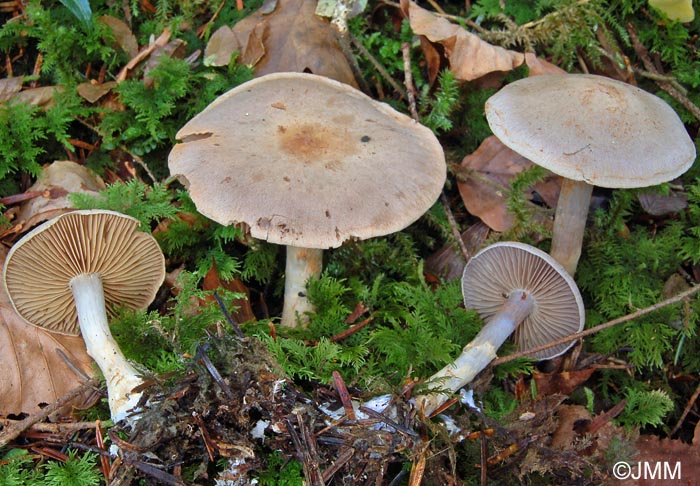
307,162
67,274
591,130
517,289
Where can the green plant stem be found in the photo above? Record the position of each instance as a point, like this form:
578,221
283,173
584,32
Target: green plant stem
641,312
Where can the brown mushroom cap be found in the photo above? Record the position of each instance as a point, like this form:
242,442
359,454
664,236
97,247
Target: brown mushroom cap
591,128
496,271
307,161
39,267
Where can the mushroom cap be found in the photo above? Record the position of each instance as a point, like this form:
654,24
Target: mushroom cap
592,128
307,161
497,270
39,267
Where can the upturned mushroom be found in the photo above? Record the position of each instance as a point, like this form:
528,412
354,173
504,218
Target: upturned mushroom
592,131
307,162
517,289
67,275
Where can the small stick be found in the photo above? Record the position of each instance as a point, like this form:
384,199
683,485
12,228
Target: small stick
688,406
408,80
14,430
227,316
352,329
649,66
410,89
388,421
642,312
202,356
344,395
377,65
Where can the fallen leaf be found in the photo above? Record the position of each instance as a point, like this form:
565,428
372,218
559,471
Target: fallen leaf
93,91
10,87
448,262
538,65
662,204
655,451
42,97
123,36
56,180
488,173
291,38
242,311
563,382
32,371
468,55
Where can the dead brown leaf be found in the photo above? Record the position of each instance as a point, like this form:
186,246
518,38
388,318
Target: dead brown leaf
56,181
32,371
487,175
92,91
123,36
468,55
10,87
242,311
563,382
448,262
290,38
655,451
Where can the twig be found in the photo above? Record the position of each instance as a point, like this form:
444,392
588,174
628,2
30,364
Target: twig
378,416
377,65
688,406
408,80
642,312
201,355
352,329
227,316
14,430
411,91
649,66
453,226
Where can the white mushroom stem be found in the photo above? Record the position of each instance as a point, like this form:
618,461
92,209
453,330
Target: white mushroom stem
120,375
570,223
477,354
302,265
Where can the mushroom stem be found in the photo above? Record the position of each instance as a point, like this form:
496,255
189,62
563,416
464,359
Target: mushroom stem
477,354
303,264
120,375
570,223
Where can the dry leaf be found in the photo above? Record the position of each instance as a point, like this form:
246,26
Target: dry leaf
291,38
243,311
56,180
538,66
661,205
92,91
469,56
655,451
488,174
32,372
42,97
448,262
563,383
123,36
9,87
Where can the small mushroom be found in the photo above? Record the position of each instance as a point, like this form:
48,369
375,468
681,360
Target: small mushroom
591,130
307,162
517,289
67,275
